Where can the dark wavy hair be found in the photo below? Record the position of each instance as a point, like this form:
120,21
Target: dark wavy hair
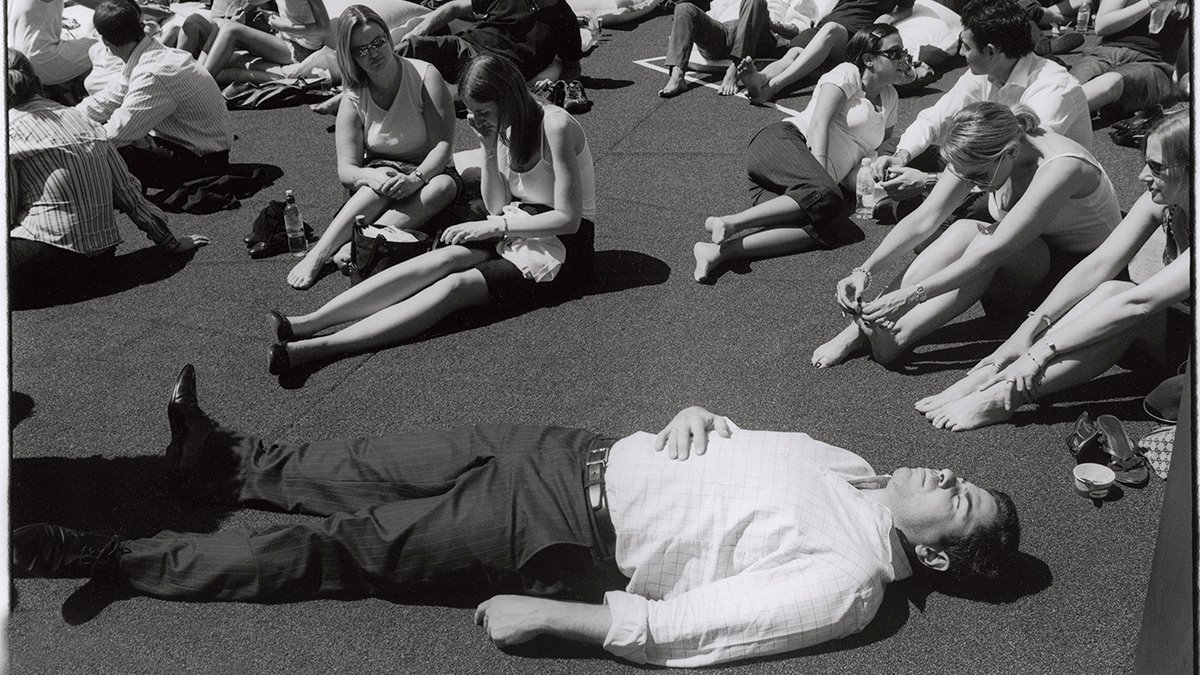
866,43
118,21
980,558
494,79
22,83
1001,23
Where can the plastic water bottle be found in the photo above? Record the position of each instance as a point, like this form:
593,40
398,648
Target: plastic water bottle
1158,15
595,24
1083,19
864,190
294,225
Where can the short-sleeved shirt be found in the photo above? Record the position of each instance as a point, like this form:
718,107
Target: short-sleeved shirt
299,12
854,15
1161,46
859,127
529,38
398,131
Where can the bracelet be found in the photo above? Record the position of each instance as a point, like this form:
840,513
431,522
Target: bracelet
1040,366
922,296
865,273
504,236
1042,317
420,176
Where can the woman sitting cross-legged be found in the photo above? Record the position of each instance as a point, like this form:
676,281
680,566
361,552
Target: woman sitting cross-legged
795,165
395,129
829,40
1052,202
534,247
1089,319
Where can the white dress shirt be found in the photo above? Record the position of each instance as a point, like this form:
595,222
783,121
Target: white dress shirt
759,546
166,91
780,11
1042,85
35,30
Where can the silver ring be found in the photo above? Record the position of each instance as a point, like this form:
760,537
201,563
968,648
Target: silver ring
1011,381
995,365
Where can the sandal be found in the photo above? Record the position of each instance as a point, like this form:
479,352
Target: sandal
1129,466
1084,441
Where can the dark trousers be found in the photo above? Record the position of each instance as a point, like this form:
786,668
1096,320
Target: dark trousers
448,53
482,509
37,270
779,163
750,35
166,164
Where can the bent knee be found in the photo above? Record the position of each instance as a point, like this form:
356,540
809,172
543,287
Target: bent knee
687,11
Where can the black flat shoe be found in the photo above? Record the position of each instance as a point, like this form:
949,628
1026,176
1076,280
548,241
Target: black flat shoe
283,327
190,425
279,362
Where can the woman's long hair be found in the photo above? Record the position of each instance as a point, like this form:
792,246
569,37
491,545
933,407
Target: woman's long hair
21,83
981,132
353,17
1173,132
494,79
866,43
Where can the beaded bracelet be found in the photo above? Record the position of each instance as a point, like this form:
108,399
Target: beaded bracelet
504,237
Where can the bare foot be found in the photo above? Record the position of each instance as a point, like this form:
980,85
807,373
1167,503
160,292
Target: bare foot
720,230
973,411
968,384
757,85
306,272
676,84
841,347
342,259
708,256
327,107
729,83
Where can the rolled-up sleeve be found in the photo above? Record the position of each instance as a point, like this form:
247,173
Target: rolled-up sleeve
781,609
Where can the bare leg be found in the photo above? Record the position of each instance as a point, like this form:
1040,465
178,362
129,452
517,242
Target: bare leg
411,212
399,321
729,83
232,36
841,347
194,35
768,243
387,288
676,82
831,36
1103,90
327,107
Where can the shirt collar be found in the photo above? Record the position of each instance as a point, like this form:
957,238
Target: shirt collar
901,567
1022,72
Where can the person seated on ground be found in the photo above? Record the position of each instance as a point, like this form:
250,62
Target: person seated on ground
35,29
1092,317
165,113
533,247
395,135
795,165
648,530
1053,17
1133,68
1052,203
64,178
300,29
731,29
824,43
1003,68
527,32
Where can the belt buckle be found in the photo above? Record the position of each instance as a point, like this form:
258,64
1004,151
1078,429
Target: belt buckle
594,467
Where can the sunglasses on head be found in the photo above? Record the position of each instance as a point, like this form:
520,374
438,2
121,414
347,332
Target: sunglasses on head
374,45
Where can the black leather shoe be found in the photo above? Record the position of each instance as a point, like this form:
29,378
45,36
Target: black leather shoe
45,550
190,425
283,327
278,362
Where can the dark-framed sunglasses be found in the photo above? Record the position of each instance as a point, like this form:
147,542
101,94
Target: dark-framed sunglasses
1157,168
895,54
372,46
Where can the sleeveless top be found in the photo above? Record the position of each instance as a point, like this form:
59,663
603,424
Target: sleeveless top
298,12
1083,223
536,185
398,131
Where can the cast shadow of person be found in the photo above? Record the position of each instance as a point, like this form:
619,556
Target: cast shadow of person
103,278
613,271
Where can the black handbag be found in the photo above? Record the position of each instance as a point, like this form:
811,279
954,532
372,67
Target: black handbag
372,251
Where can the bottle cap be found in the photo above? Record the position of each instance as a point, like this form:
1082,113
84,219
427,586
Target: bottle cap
287,193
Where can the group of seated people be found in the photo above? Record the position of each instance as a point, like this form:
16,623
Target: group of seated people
1035,232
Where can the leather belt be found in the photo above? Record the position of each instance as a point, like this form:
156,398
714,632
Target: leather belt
595,463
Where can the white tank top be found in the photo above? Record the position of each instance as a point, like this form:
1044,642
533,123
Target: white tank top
536,185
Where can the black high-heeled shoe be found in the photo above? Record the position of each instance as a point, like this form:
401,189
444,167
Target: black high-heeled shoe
283,327
278,362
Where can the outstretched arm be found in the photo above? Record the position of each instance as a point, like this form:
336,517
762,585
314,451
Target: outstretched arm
440,17
513,619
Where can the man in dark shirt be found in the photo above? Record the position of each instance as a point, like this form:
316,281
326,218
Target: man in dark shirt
530,33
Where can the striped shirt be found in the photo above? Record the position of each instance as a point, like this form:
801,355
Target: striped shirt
65,177
762,545
164,91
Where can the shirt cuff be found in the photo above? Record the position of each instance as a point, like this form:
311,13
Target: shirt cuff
627,635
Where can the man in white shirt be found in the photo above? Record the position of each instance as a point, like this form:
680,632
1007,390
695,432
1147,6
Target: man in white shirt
998,48
731,29
35,30
759,543
165,113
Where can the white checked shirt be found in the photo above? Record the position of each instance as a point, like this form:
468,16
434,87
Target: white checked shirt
780,11
166,91
759,546
65,177
1042,85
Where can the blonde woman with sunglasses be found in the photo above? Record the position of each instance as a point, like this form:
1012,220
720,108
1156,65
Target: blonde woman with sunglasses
1051,202
1092,316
